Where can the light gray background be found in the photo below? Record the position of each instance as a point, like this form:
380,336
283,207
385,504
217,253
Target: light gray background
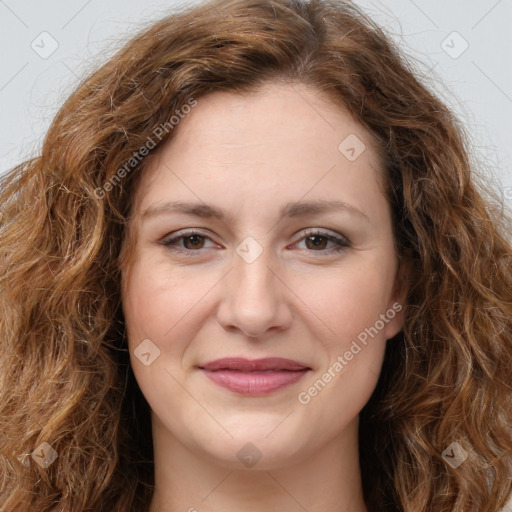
477,84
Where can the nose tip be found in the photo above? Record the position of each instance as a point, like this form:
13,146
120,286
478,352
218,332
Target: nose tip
254,300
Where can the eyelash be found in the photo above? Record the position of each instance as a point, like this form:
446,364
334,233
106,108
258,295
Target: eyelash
342,242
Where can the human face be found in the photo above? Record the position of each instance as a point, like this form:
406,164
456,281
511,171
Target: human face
254,284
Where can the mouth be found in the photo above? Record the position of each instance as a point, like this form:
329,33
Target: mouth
254,376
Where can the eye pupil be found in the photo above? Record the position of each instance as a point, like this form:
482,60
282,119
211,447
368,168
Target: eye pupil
320,240
194,239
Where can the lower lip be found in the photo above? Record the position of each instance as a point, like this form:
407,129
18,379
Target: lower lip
254,383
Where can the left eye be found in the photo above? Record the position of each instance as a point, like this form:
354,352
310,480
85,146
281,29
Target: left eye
319,239
315,241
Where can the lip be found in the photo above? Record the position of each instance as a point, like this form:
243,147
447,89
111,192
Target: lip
254,376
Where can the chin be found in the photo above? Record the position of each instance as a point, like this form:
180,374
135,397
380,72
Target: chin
254,456
256,449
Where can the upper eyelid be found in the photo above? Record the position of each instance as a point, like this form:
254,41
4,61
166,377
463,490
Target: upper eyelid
323,231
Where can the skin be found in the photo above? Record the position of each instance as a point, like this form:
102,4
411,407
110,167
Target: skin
251,155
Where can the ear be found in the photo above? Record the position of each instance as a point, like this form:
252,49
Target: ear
397,301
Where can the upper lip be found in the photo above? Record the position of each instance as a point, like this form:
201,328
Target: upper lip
248,365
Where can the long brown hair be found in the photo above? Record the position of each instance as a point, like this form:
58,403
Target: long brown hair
65,377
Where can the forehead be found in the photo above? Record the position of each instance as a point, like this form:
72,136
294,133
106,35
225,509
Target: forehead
284,140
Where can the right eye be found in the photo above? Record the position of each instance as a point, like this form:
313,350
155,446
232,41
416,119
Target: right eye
193,241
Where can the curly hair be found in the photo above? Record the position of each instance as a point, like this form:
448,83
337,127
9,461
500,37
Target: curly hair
65,377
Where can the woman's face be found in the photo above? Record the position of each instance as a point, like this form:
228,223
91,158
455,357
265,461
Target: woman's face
286,251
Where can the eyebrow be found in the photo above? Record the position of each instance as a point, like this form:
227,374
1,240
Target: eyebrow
290,210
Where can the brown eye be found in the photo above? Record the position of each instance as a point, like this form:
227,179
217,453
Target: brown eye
316,242
187,243
193,241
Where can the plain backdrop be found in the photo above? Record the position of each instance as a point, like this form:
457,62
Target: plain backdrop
464,47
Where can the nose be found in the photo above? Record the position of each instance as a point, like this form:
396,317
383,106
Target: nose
255,299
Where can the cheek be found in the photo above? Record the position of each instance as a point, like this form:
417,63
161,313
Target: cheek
348,300
168,306
156,301
350,305
160,308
